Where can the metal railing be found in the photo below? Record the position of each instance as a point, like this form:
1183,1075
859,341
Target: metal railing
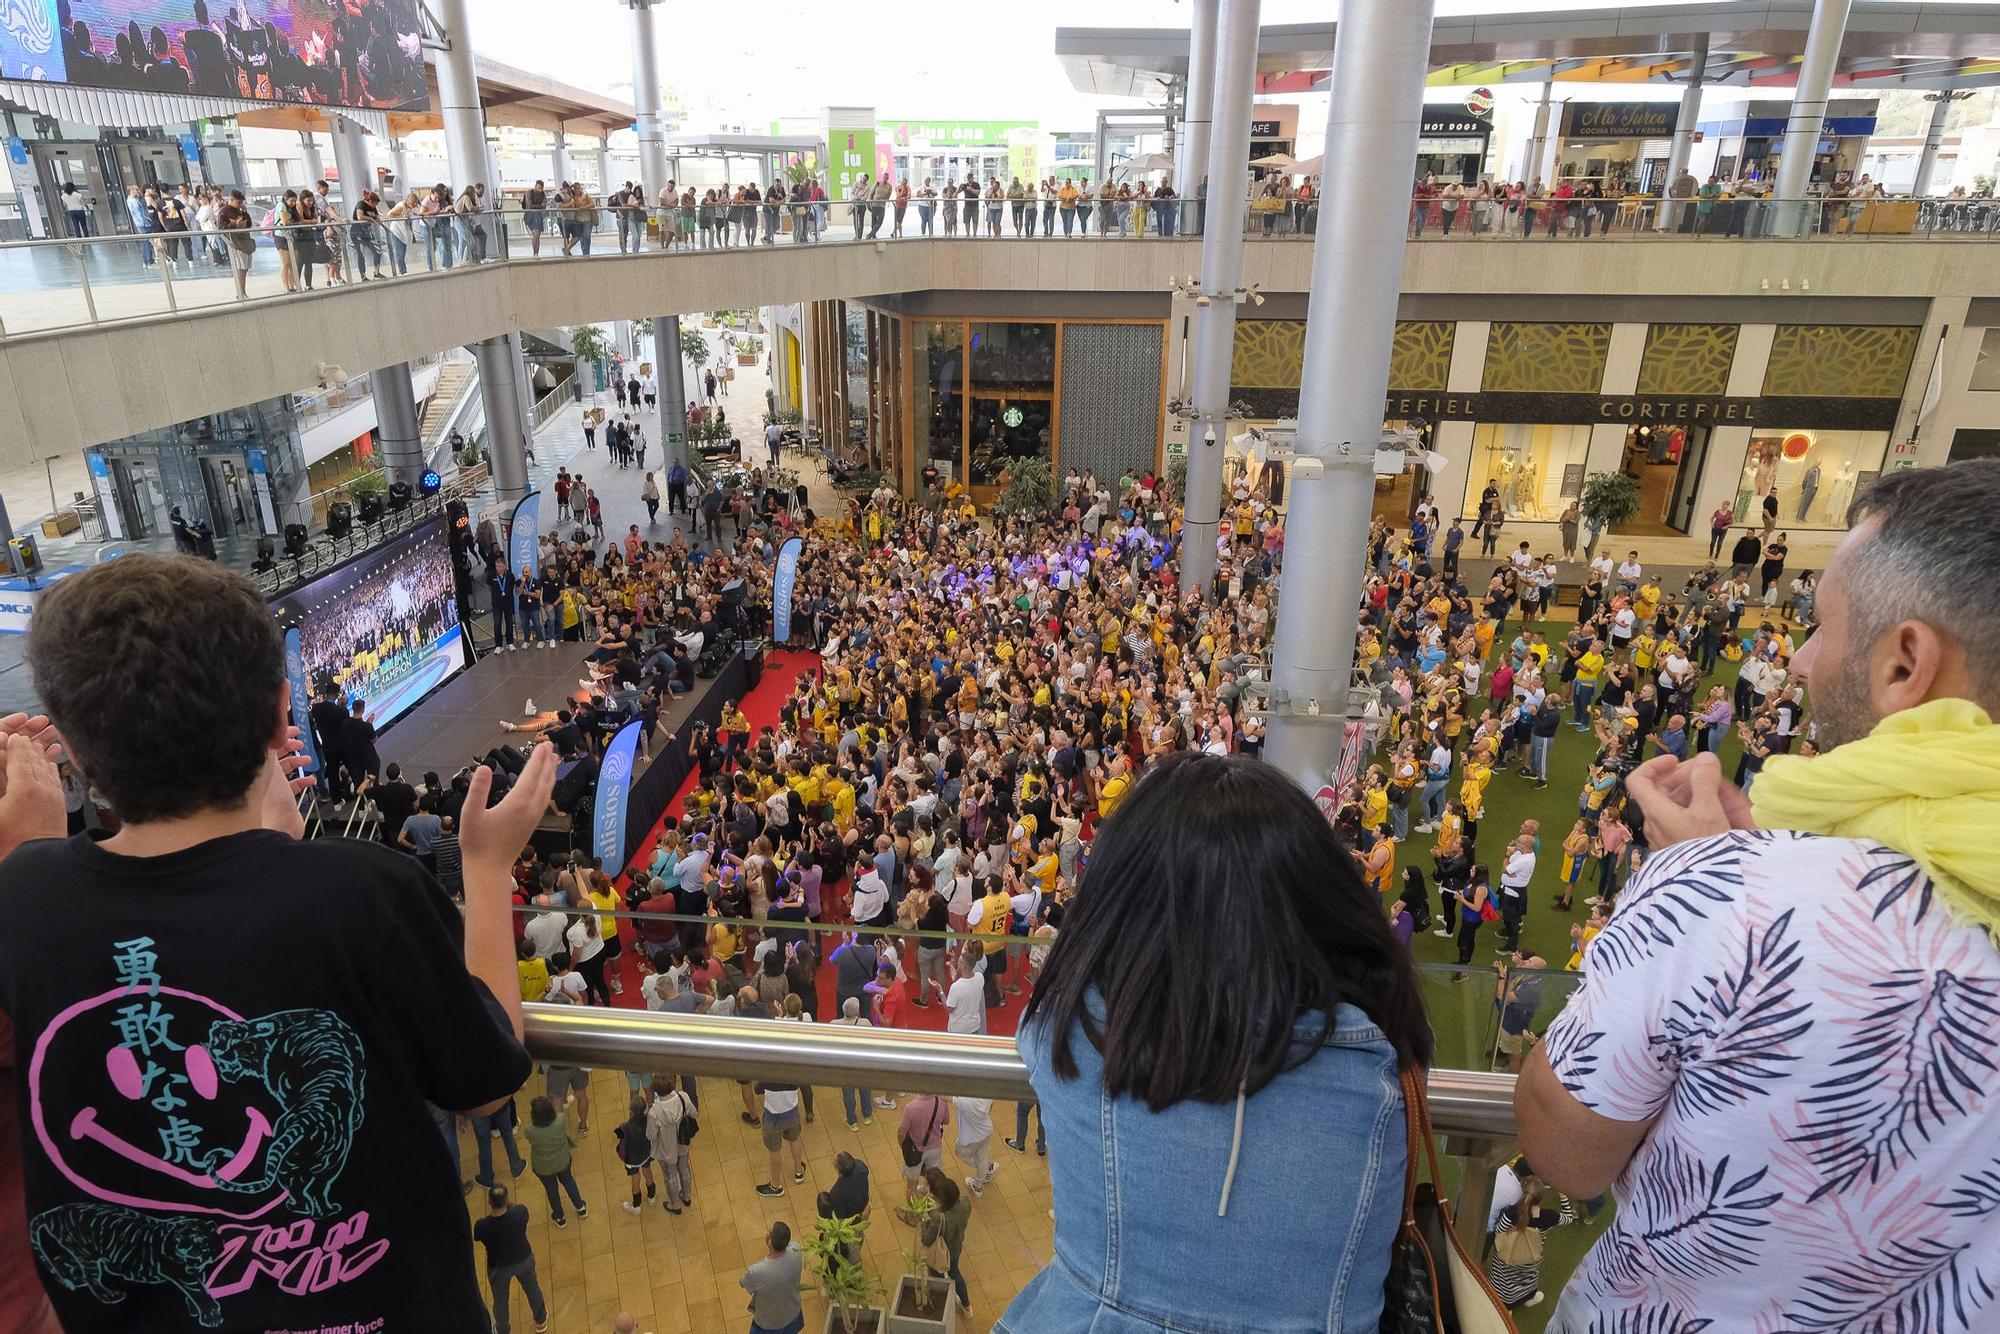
1472,1103
82,281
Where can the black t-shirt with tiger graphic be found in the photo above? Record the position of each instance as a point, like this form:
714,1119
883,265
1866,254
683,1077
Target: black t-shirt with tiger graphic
227,1060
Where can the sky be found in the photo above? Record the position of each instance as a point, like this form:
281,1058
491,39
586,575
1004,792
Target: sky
948,60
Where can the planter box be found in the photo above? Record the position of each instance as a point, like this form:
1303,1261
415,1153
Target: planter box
868,1320
940,1317
746,358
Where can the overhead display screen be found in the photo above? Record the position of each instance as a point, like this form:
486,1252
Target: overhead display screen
342,53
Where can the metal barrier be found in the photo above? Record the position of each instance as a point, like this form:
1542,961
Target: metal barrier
1471,1103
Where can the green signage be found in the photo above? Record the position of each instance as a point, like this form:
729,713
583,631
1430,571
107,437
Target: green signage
851,154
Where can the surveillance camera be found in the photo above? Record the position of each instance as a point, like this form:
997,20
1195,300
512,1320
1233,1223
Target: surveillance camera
1201,300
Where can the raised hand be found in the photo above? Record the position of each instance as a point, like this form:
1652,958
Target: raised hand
31,794
490,838
1687,800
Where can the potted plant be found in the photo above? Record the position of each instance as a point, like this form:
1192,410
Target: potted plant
590,345
1030,488
746,351
1609,499
922,1303
849,1291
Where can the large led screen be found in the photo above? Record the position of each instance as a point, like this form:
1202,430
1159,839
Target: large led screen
347,53
384,629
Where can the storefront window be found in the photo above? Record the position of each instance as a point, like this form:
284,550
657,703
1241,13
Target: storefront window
857,371
1012,410
1013,358
1816,475
937,377
1537,469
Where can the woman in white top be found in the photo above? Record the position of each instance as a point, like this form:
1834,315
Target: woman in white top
586,948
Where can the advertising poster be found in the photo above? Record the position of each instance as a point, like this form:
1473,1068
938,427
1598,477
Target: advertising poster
343,53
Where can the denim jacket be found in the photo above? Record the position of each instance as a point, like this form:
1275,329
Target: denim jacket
1274,1213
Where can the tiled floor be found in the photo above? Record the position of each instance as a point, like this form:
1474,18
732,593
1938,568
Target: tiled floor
679,1275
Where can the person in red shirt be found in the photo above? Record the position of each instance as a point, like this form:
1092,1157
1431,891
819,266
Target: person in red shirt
892,998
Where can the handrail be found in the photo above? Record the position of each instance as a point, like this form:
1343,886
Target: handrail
1474,1103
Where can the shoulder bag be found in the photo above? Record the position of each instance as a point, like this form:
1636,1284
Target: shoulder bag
1433,1285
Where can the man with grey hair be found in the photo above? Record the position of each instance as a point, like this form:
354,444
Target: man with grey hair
1789,1030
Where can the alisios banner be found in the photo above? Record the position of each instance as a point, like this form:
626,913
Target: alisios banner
614,792
295,676
782,578
522,531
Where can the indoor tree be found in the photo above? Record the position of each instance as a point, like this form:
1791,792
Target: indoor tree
590,345
1609,499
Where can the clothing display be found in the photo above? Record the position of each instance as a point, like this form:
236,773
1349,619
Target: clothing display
1808,489
1840,496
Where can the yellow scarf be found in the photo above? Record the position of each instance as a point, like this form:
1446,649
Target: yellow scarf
1925,782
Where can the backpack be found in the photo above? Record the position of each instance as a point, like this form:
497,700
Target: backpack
690,1124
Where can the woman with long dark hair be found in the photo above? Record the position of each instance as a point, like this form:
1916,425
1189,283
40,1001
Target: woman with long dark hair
1475,900
1220,1025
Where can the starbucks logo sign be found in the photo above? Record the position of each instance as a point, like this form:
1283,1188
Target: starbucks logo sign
1012,416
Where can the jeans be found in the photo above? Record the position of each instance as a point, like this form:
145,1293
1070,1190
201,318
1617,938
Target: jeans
848,1099
1433,800
568,1181
367,247
679,1185
930,969
484,1128
1538,757
1021,1110
503,1279
399,252
1715,536
924,218
1580,708
1399,816
438,236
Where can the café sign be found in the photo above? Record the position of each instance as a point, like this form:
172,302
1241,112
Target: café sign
1620,120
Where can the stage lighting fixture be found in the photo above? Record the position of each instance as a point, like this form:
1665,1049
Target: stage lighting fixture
297,537
369,505
431,482
400,495
339,518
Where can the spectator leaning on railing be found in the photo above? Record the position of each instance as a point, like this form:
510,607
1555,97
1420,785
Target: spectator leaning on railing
1788,1035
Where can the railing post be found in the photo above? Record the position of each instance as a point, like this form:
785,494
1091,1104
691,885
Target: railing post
167,275
83,272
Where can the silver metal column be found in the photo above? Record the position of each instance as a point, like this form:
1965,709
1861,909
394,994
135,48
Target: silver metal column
559,158
398,435
315,167
1380,61
1933,137
673,387
524,386
603,156
506,424
1808,114
1197,114
350,155
646,101
1684,126
458,99
1221,272
399,162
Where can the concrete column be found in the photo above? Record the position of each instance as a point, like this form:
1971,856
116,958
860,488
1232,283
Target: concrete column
350,155
646,101
603,167
1380,62
399,162
1221,272
1197,114
524,384
1933,137
1690,113
506,426
458,98
1808,115
398,435
559,157
315,168
673,386
1103,168
1538,142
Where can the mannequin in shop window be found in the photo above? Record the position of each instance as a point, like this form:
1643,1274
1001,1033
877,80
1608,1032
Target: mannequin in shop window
1509,493
1808,488
1748,488
1841,494
1525,500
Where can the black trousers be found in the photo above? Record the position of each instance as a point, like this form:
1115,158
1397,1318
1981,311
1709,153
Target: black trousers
1512,910
1468,933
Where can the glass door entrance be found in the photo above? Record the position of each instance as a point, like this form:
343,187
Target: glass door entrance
1667,462
1006,430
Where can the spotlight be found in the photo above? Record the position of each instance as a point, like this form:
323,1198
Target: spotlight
431,482
369,504
400,495
339,519
297,537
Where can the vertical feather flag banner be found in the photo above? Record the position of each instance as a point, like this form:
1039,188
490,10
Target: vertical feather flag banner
783,576
614,793
522,534
295,676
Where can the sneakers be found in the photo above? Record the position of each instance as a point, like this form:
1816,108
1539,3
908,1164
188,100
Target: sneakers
632,1205
799,1174
1015,1145
528,710
583,1211
1535,1300
1443,931
561,1221
867,1120
769,1191
884,1101
670,1208
972,1184
853,1128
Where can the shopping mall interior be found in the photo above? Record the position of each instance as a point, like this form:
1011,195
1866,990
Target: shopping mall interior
722,577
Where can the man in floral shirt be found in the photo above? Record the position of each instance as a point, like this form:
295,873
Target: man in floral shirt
1785,1056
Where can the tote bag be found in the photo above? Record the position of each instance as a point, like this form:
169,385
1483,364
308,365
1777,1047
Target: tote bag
1433,1285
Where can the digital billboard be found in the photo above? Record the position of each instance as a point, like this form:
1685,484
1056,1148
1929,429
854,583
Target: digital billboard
384,629
346,53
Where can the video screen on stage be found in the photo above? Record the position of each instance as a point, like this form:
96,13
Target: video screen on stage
384,628
343,53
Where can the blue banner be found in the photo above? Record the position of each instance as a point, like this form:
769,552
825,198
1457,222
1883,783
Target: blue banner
522,531
295,674
782,579
614,793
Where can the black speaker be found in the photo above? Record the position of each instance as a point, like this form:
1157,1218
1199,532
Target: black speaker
400,495
297,538
369,503
339,518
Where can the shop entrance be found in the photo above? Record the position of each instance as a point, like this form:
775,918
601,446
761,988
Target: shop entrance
1667,462
232,509
57,165
1006,430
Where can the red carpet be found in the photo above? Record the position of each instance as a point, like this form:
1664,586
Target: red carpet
782,668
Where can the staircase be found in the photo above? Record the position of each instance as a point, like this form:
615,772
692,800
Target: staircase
454,375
